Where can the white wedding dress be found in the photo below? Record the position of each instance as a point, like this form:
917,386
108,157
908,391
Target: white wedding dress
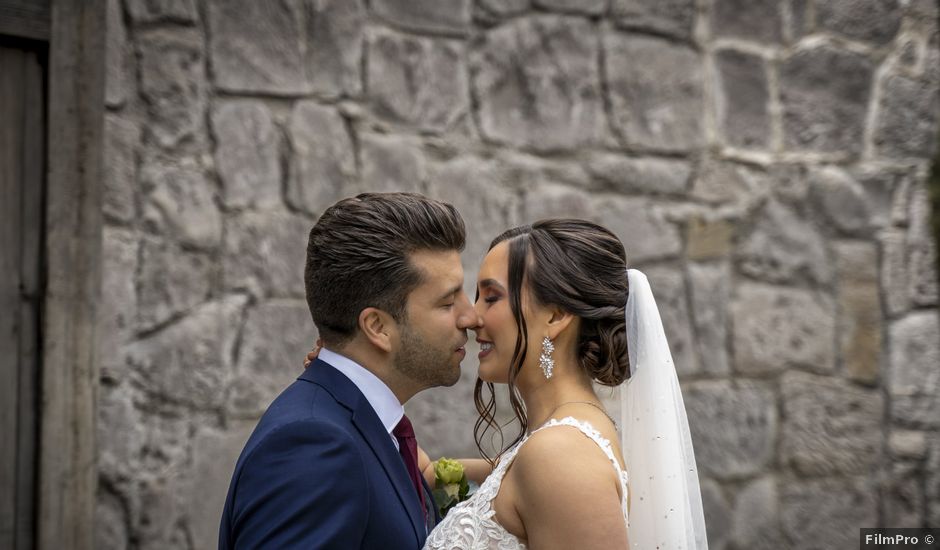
472,525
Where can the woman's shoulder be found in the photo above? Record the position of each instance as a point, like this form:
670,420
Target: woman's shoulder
569,448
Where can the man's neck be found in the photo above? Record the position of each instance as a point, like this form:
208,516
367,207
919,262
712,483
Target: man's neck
381,367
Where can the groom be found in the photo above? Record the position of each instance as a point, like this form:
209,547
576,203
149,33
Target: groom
333,461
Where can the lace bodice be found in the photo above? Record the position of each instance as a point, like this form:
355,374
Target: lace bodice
472,525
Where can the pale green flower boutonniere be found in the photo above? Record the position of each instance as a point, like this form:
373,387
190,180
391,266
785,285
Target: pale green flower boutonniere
450,485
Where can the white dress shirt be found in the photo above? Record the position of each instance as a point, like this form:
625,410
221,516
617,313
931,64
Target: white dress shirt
379,396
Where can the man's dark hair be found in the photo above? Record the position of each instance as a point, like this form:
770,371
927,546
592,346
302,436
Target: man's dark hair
358,256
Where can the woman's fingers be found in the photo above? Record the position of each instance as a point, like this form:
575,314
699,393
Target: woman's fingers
312,355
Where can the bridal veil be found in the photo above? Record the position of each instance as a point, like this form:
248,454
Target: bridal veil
665,498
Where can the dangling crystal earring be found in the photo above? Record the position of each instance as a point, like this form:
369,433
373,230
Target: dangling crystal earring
545,360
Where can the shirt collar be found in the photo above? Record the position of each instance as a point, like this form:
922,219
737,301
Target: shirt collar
379,396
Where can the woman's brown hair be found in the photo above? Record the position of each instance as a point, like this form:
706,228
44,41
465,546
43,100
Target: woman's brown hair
580,267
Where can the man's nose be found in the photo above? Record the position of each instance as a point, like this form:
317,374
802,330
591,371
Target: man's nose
468,317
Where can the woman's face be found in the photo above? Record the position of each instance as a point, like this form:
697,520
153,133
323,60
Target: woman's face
497,336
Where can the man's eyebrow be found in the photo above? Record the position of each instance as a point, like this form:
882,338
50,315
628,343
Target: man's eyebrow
451,292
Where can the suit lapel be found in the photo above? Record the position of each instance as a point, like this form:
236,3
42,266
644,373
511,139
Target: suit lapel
373,432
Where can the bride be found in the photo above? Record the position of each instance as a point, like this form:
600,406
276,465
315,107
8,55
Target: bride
560,310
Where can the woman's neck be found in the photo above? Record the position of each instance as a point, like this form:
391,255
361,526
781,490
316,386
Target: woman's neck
544,397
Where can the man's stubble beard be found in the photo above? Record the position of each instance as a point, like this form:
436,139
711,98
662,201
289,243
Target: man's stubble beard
424,364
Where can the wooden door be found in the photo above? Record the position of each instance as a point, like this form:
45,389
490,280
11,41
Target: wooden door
22,169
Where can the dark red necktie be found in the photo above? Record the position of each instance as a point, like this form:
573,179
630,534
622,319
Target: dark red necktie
408,447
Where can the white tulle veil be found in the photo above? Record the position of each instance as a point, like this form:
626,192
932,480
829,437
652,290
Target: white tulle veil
665,498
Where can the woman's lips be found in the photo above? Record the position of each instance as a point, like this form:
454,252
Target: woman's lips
485,348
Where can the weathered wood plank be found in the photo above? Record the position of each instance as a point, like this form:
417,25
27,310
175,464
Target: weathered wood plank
25,18
68,476
33,178
11,102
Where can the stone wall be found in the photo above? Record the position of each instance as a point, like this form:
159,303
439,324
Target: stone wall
763,160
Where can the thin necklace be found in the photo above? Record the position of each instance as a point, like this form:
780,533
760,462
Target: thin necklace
591,403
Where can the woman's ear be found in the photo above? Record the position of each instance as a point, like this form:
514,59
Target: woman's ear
378,327
558,321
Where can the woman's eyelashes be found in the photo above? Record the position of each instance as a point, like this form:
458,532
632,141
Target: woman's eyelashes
491,298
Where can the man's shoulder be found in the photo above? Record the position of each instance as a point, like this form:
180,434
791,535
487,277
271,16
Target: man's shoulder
300,404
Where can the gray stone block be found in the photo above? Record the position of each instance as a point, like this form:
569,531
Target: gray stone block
258,46
417,81
111,532
734,427
717,514
860,315
830,426
651,107
161,514
264,253
173,85
442,16
778,327
922,249
902,494
180,202
550,200
188,361
390,163
630,175
801,21
502,8
932,480
841,201
117,69
886,192
914,383
782,247
743,99
719,181
121,137
152,11
642,227
588,7
335,46
875,21
170,281
119,253
668,286
322,163
895,278
824,92
670,17
907,116
908,444
711,289
538,84
247,154
757,20
488,207
121,433
756,523
214,456
275,338
827,513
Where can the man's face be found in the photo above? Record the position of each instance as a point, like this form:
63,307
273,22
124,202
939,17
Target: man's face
438,314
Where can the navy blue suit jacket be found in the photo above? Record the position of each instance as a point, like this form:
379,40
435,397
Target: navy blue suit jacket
320,471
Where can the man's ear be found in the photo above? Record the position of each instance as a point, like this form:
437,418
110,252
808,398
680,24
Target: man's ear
378,327
558,321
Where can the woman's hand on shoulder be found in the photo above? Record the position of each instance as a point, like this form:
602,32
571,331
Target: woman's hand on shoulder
568,492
